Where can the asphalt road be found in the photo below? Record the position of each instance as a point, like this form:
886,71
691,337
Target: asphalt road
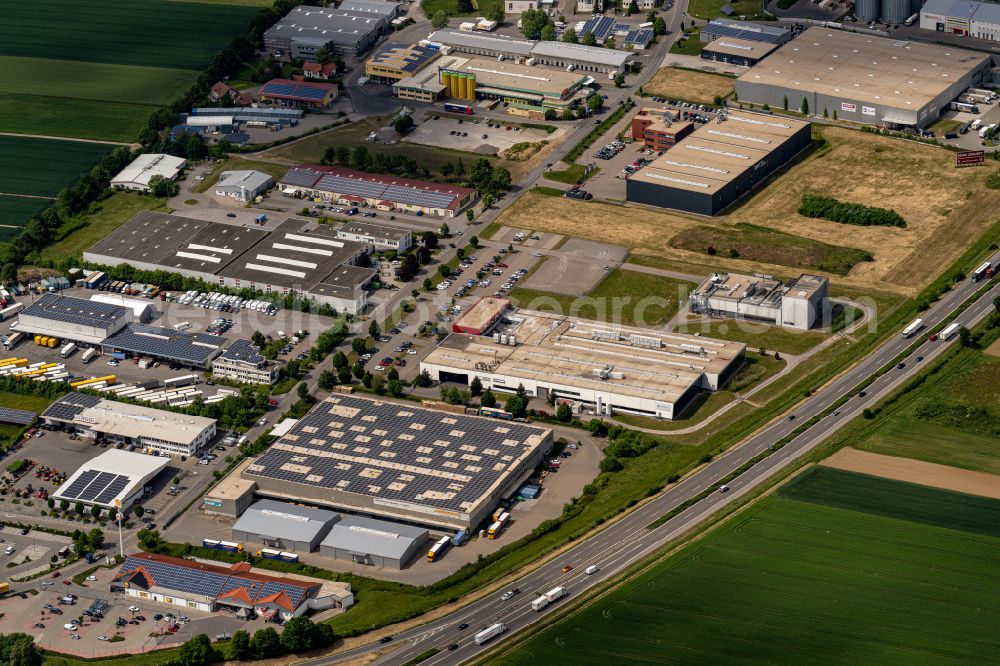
626,542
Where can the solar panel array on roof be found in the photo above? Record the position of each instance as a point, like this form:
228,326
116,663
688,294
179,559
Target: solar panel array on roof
601,26
96,487
639,37
70,405
166,343
244,351
296,90
75,311
369,189
81,482
396,452
16,416
719,29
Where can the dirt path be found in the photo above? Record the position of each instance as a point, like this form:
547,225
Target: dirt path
994,349
916,471
68,138
26,196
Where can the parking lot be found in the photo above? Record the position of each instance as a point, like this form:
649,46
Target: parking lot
576,267
486,136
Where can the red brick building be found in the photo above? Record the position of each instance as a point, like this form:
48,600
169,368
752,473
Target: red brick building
650,127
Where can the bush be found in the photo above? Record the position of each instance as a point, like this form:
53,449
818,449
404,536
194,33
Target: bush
828,208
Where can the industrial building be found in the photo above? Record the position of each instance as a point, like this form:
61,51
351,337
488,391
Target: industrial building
242,362
745,30
395,62
136,176
114,479
482,317
374,542
603,368
358,188
299,94
379,236
864,79
719,163
244,186
798,304
520,87
118,422
969,18
886,11
297,255
76,319
426,86
269,116
399,462
142,309
239,588
657,129
195,350
306,29
379,8
289,527
555,54
741,52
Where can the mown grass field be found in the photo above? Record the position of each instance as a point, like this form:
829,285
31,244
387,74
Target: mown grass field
755,335
42,167
623,297
450,7
15,213
101,74
687,85
837,568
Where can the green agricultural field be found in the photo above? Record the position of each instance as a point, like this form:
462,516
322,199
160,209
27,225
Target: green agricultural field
833,570
72,118
42,167
15,213
180,35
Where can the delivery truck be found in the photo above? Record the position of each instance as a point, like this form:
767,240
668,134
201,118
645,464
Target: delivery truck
490,633
67,350
88,355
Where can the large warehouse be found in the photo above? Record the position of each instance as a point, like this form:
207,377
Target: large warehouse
374,542
297,255
719,163
395,62
605,367
119,422
519,86
359,188
864,79
116,478
399,462
136,176
76,319
798,304
306,30
289,527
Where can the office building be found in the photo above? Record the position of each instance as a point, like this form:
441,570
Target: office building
657,129
242,362
379,236
799,304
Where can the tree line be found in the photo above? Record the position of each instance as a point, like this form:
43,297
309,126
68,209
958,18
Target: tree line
828,208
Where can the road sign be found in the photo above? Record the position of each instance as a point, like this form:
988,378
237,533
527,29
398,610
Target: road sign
118,503
970,158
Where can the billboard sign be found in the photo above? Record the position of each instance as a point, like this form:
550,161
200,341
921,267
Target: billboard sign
847,106
868,110
970,158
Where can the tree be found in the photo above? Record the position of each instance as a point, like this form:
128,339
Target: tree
619,80
594,103
358,370
149,539
548,33
297,634
588,39
373,329
517,406
550,114
429,239
444,270
804,108
323,55
532,22
79,508
633,7
327,380
396,388
343,155
440,19
500,179
239,646
469,215
659,26
18,649
403,124
51,502
784,103
564,413
611,464
344,375
966,338
360,158
95,539
197,651
266,643
63,504
610,42
445,230
476,387
95,511
162,187
303,393
570,36
423,380
465,6
497,13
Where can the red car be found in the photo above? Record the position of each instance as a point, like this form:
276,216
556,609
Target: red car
67,581
400,362
56,574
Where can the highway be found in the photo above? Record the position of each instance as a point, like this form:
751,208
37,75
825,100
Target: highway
626,542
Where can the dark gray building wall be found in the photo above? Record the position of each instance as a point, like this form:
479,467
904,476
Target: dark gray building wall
742,61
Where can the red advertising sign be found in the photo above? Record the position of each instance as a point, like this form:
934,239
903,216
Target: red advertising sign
970,158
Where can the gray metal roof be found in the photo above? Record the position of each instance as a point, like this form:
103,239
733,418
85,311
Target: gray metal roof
459,39
774,30
197,348
280,520
78,311
317,25
373,537
582,53
377,7
248,179
987,12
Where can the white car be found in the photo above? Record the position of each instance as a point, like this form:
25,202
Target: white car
133,609
411,352
102,637
9,551
506,596
91,577
70,626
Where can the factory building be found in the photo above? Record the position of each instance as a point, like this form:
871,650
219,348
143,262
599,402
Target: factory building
298,94
426,86
522,88
142,309
244,186
136,176
395,62
886,11
242,362
195,350
554,54
399,462
75,319
755,32
657,130
357,188
287,527
482,317
379,236
969,18
601,368
374,542
719,163
741,52
798,304
132,425
865,79
306,29
114,479
296,256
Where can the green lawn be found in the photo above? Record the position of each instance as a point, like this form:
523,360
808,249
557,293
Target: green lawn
103,217
836,569
944,125
756,335
755,243
571,175
42,167
690,44
710,9
624,297
32,403
450,7
15,213
277,171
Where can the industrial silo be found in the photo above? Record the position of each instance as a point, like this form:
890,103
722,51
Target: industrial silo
895,11
470,86
446,81
867,10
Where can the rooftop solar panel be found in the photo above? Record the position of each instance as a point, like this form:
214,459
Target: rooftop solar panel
97,486
294,90
78,311
301,177
116,486
16,416
198,348
75,488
